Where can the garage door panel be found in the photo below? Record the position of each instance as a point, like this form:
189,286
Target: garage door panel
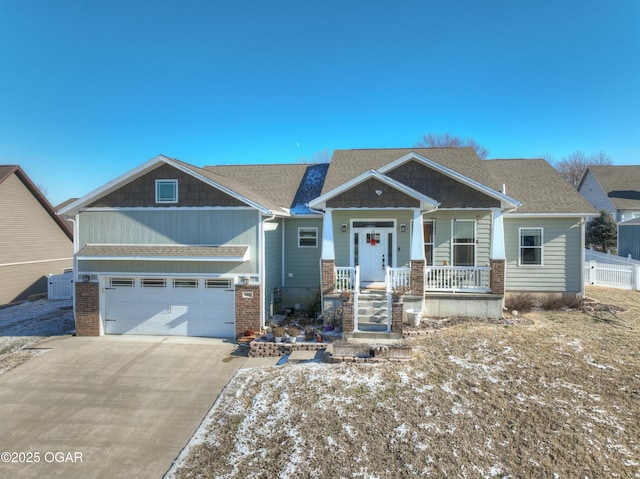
169,310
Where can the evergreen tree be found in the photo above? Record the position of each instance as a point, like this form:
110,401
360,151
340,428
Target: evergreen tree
602,232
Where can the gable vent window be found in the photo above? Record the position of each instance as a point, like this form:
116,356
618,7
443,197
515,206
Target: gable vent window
166,191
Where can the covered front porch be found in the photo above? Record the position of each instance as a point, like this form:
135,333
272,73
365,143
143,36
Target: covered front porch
443,290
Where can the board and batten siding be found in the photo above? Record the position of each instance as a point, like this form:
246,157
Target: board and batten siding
562,250
172,226
32,243
303,264
629,241
444,231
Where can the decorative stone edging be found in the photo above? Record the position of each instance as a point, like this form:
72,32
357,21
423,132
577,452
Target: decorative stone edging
352,359
269,349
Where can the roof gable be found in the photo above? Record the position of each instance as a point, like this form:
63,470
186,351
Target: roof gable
7,170
231,193
372,189
422,178
621,184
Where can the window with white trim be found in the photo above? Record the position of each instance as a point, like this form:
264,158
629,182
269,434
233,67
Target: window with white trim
307,237
166,191
464,243
531,240
428,230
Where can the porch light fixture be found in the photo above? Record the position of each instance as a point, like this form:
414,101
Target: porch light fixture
403,228
344,228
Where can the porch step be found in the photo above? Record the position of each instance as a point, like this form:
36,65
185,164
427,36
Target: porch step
372,335
372,310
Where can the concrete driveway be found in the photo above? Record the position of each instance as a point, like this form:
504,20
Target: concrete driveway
112,406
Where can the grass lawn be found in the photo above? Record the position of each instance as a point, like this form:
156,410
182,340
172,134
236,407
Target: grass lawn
556,395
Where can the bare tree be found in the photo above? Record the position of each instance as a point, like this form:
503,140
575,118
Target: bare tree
572,167
431,140
322,156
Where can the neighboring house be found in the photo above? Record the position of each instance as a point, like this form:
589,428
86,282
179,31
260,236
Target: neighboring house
615,189
34,241
629,238
170,248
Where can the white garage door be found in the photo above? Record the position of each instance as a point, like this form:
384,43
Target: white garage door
169,306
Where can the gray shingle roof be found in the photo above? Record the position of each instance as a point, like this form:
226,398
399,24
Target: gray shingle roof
348,164
5,170
620,183
284,185
239,185
538,186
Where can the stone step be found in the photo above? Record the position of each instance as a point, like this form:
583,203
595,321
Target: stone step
372,335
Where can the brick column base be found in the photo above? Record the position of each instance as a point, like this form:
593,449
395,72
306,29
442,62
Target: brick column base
87,309
396,317
417,277
328,275
347,317
247,308
497,276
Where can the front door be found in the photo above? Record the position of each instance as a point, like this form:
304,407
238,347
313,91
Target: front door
373,250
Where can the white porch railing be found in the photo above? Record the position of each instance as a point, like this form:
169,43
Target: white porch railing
347,278
457,278
398,279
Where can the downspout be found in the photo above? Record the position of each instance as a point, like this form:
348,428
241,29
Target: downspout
321,212
582,261
262,269
75,222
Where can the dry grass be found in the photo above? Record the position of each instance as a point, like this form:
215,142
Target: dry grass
559,397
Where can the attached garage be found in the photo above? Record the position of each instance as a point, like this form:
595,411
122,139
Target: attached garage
169,306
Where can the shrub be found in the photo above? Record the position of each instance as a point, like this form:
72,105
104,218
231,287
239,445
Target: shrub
552,302
520,302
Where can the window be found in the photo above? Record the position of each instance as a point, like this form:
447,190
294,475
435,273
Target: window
307,237
166,191
464,243
154,282
531,246
122,282
428,230
217,283
185,283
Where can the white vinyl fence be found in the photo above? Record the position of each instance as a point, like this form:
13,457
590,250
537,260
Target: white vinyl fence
621,276
60,286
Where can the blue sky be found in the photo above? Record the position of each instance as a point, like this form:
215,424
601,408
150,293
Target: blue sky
92,89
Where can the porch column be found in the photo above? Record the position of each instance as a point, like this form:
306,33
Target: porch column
328,251
328,259
497,236
417,255
497,277
417,237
